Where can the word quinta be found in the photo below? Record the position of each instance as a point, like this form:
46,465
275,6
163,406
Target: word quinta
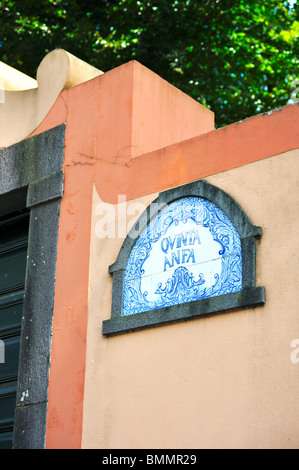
178,241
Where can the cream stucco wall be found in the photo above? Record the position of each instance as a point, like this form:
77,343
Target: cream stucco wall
226,381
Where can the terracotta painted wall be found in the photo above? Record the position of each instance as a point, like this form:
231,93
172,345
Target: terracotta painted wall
223,381
103,135
116,145
226,381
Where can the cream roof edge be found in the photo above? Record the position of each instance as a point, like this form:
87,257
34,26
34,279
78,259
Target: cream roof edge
25,102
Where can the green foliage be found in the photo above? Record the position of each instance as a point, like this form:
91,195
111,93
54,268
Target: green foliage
236,57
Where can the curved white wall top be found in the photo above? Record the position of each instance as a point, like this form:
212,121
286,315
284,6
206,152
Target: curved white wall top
25,102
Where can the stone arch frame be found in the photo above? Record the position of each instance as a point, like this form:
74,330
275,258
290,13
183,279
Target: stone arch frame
249,295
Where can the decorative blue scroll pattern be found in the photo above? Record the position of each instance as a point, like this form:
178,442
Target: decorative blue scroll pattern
182,286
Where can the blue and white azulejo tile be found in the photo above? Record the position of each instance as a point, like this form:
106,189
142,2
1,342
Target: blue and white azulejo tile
189,251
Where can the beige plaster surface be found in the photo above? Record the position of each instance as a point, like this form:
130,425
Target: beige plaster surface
226,381
13,80
26,102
